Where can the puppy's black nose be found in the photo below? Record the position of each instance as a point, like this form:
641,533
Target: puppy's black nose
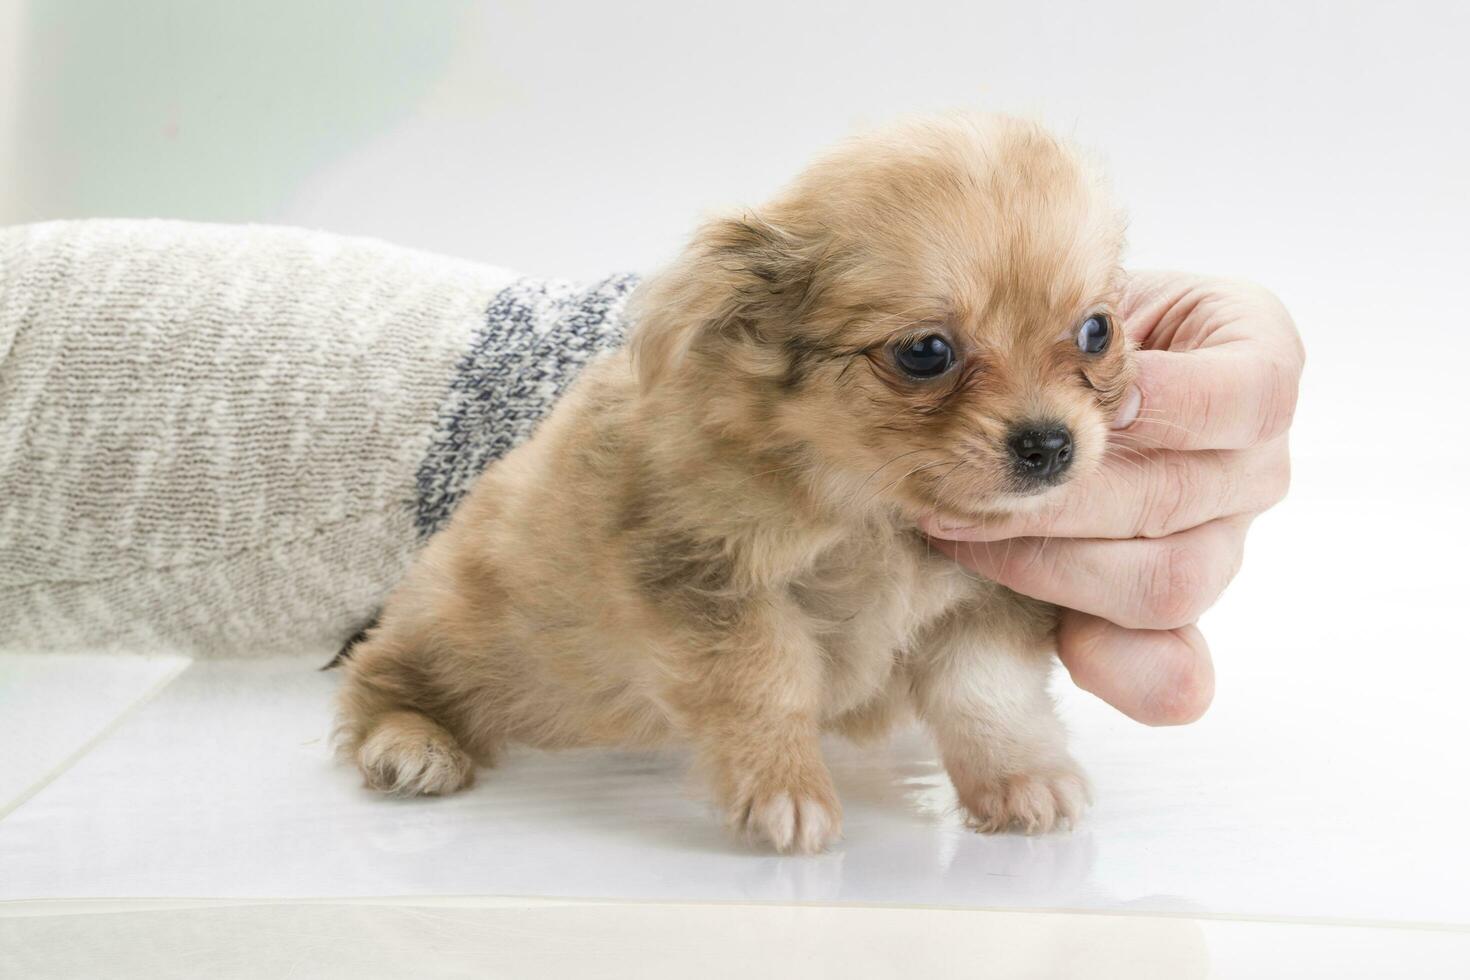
1041,453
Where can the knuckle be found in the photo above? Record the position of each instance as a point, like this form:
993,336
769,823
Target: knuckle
1278,399
1275,314
1177,587
1169,500
1279,479
1286,324
1260,480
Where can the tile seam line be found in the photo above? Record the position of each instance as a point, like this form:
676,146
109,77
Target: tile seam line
60,769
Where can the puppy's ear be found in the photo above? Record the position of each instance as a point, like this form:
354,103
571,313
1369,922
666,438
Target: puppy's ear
741,279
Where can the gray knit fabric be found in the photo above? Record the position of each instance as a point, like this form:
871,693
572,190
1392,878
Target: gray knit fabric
231,440
537,336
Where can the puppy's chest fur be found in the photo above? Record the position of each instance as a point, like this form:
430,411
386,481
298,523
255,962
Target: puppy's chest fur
873,603
866,601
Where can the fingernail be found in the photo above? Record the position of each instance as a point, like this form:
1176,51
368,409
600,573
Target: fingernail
1128,411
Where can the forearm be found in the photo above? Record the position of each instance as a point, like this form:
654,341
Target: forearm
232,439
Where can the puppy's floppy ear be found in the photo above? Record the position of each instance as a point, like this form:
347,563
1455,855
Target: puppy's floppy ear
740,276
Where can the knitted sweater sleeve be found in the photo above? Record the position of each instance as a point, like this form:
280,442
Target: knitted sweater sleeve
232,440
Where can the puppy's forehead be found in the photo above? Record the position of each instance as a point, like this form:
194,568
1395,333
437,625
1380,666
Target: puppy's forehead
989,216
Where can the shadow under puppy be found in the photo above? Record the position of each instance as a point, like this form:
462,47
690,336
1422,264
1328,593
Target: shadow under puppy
712,538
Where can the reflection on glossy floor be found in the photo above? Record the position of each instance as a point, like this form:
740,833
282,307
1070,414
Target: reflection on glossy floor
223,786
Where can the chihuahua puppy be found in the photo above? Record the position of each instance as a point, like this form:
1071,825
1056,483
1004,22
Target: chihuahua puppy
713,536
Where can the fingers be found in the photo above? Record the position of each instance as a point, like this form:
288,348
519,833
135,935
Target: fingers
1228,397
1158,677
1140,583
1148,493
1219,362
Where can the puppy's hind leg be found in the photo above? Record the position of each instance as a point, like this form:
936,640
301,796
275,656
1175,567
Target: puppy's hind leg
387,724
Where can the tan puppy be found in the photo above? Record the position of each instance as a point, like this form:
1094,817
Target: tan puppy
712,538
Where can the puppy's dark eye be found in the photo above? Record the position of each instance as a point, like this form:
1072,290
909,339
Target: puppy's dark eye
927,357
1095,333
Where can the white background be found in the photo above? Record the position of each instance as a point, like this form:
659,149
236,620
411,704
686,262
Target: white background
1320,148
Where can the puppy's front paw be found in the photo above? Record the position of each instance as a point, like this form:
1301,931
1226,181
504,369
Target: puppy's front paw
409,754
801,816
1034,802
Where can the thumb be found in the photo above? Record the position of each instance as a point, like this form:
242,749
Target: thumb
1157,677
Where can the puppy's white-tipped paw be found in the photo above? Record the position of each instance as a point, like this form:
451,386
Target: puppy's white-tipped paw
792,821
411,755
1031,802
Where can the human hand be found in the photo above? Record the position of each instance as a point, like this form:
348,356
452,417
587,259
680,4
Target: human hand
1138,550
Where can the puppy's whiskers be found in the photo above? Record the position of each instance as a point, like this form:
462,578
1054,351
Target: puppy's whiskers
938,492
1154,416
1128,456
1132,466
917,469
883,467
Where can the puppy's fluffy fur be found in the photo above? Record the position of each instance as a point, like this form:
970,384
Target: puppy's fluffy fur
712,538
